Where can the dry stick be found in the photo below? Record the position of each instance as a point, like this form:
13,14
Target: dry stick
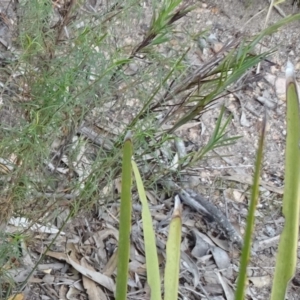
265,25
65,21
279,10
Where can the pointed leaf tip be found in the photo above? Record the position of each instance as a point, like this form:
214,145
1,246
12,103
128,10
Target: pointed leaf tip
128,136
290,70
177,207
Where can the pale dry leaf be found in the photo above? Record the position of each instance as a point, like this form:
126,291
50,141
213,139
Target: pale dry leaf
267,243
137,267
201,245
93,291
221,243
111,265
151,197
204,259
215,289
49,279
63,292
211,277
35,280
95,276
118,185
47,268
221,257
57,255
174,164
227,289
73,293
17,297
243,121
20,222
234,195
190,265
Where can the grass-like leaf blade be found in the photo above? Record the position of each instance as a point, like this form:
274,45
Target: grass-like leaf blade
153,276
125,221
287,251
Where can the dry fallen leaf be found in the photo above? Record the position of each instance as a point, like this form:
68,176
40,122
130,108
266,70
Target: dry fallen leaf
221,258
16,297
95,276
93,291
234,195
227,289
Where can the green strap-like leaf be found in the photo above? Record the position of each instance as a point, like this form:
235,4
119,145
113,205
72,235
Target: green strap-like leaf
125,221
153,277
173,254
287,250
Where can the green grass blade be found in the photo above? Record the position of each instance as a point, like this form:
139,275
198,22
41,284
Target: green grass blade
125,221
153,276
173,254
287,250
240,291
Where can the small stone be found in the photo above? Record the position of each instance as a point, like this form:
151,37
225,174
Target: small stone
243,121
217,47
291,53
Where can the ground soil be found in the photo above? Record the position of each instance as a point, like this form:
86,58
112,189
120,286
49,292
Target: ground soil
216,175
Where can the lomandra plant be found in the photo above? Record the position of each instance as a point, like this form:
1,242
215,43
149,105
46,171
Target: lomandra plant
287,251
